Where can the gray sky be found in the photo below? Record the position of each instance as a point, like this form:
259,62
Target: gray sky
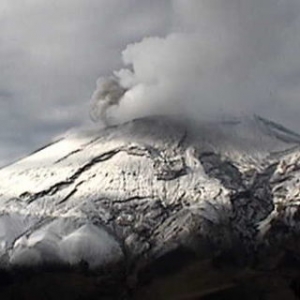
196,56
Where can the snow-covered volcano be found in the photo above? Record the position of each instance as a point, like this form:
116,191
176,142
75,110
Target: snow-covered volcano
146,187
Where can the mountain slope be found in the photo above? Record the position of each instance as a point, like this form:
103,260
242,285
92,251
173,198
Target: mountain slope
135,192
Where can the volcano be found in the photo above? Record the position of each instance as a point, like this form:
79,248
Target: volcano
155,208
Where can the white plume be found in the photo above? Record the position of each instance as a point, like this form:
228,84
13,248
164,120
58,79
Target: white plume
222,57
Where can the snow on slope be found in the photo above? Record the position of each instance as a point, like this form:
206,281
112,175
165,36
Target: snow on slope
138,187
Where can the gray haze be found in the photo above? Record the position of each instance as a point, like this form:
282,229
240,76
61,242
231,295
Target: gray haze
195,58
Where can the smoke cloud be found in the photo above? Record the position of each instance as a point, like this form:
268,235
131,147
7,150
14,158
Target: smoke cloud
221,57
108,93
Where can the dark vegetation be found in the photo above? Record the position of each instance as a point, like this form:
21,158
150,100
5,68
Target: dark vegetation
179,275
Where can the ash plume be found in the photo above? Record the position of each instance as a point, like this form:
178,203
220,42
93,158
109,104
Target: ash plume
108,93
233,57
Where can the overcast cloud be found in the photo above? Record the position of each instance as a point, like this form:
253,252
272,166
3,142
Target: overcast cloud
195,57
